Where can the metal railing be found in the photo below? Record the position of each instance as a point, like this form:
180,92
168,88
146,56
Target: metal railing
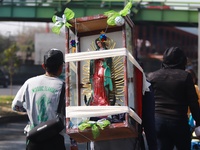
45,3
148,4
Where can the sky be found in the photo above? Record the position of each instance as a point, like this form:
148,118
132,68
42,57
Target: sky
190,30
13,28
8,28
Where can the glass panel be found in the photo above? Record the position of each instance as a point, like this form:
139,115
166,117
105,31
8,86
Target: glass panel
131,96
73,84
129,38
91,81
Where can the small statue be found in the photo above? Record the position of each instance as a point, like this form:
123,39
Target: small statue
100,77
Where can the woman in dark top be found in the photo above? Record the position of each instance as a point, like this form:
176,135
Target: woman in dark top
173,92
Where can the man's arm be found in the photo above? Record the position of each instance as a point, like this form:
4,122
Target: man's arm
17,104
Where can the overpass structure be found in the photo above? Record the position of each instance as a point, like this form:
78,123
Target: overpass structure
175,12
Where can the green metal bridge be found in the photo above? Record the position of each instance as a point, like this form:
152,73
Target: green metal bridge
174,12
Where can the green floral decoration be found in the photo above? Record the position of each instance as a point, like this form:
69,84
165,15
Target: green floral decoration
112,15
94,126
59,22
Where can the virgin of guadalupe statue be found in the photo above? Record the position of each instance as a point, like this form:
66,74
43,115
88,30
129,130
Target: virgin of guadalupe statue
100,77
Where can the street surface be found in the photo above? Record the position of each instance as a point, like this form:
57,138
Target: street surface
11,136
9,90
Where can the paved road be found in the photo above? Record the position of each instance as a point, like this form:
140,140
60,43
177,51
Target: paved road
9,90
13,138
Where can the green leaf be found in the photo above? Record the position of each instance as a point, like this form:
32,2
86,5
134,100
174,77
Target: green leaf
69,14
103,124
68,25
54,18
57,26
126,9
95,131
84,125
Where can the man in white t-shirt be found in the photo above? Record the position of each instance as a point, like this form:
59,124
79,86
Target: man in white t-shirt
39,97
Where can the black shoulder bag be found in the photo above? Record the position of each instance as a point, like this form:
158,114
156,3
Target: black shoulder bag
50,128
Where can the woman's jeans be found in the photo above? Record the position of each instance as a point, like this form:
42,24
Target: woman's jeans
171,133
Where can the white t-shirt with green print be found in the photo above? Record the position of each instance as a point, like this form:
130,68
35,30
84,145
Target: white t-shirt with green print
39,96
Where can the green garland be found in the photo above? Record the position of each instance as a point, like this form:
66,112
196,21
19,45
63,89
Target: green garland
59,22
113,14
94,126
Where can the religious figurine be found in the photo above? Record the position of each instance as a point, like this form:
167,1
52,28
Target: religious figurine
100,77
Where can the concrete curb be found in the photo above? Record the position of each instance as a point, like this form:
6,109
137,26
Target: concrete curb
15,118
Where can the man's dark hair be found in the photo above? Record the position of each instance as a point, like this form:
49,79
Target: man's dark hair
53,59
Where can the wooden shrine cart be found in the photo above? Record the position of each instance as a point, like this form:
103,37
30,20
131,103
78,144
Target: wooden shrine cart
127,77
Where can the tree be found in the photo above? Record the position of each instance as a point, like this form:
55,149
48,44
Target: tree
11,61
3,42
25,41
